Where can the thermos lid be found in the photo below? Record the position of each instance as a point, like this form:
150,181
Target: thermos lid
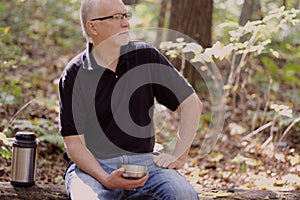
24,140
28,136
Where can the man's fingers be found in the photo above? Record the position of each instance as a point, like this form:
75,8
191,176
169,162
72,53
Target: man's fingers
131,184
120,171
157,159
174,165
164,160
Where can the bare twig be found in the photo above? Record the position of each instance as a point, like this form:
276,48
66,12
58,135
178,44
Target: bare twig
16,114
255,116
267,142
182,63
267,99
271,133
232,69
273,126
247,137
289,128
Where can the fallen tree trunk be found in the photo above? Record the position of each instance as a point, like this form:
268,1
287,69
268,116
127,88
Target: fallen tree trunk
234,194
52,192
37,192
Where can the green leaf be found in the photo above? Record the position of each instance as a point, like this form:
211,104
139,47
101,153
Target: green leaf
4,153
291,67
17,91
2,7
275,53
206,117
291,79
243,168
2,136
271,65
55,139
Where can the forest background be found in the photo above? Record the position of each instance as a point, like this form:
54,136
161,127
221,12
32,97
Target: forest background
254,45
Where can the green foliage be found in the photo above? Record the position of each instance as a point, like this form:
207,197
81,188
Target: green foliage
145,16
39,24
33,34
271,65
290,72
42,127
55,139
31,31
4,153
249,44
4,141
45,130
10,90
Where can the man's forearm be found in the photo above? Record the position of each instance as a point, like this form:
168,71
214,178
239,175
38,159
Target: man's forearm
83,158
191,109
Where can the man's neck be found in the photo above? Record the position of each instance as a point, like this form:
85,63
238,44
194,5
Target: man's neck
106,55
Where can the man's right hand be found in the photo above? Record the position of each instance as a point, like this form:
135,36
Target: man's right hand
116,181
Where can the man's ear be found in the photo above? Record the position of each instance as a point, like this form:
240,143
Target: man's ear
91,28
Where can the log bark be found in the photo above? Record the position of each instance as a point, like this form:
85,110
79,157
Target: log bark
130,2
53,192
235,194
37,192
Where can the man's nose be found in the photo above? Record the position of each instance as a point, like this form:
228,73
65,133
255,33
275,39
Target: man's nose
125,22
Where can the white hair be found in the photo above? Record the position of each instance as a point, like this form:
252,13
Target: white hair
87,9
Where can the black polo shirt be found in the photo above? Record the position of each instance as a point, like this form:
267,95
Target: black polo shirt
114,110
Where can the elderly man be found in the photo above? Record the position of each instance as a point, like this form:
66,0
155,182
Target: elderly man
107,96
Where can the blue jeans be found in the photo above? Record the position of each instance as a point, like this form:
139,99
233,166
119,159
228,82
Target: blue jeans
162,183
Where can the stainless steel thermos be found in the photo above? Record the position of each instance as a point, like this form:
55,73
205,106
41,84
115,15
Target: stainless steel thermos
23,159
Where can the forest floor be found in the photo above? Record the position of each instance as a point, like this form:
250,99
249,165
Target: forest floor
232,163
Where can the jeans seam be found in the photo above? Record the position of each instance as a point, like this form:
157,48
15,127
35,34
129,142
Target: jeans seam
150,194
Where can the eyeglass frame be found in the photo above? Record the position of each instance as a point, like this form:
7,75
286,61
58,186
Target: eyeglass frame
127,15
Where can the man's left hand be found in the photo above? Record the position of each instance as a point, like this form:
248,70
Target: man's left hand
169,161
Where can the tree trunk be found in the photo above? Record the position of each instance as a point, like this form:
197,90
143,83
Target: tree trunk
37,192
250,11
296,4
194,19
130,2
161,21
58,192
284,3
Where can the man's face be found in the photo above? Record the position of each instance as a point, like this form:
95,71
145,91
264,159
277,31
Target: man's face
113,31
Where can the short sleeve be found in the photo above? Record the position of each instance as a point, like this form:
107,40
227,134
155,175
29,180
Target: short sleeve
174,88
69,100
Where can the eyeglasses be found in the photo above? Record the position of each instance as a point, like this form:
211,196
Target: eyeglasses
116,17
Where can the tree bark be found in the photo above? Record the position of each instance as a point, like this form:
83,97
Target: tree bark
161,21
37,192
284,3
130,2
53,192
296,4
194,19
250,11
